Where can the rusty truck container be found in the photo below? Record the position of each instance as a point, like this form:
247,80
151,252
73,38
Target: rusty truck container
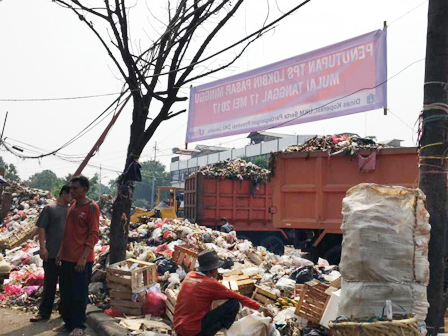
307,189
207,200
304,195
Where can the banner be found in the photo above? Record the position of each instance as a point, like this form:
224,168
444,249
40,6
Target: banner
344,78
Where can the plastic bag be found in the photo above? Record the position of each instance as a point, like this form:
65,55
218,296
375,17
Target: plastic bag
303,275
155,304
166,265
252,325
181,272
36,279
173,280
286,285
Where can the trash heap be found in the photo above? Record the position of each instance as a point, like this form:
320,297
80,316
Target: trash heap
275,281
20,221
237,169
335,144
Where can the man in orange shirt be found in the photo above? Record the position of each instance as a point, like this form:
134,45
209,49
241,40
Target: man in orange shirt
76,256
193,316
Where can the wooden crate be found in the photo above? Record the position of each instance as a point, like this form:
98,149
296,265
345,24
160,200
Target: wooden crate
264,295
144,276
171,295
313,300
240,283
298,289
124,284
185,257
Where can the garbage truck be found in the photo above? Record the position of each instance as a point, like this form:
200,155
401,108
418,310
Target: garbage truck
301,203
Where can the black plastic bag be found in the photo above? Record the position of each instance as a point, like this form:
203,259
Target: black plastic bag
303,275
228,263
165,265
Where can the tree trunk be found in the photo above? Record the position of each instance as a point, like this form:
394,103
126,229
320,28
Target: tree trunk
119,226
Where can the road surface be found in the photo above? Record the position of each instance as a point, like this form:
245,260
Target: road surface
16,323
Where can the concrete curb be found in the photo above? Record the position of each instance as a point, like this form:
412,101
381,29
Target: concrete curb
103,324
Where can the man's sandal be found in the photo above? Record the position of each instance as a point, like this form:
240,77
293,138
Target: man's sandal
77,332
61,328
38,318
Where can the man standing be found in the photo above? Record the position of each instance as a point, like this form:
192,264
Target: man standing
193,316
51,224
76,255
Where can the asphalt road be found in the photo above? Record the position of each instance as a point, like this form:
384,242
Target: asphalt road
17,323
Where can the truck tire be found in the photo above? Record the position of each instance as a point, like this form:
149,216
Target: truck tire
273,244
333,255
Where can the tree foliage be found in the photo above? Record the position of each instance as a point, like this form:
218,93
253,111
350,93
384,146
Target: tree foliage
10,171
143,190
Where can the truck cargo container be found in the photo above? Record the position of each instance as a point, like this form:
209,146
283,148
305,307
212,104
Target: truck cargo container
301,204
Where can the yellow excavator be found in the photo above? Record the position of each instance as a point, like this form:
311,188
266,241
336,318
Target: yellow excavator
169,205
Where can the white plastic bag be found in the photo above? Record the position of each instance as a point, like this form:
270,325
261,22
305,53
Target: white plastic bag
251,325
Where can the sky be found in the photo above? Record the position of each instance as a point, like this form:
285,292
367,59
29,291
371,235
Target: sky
47,52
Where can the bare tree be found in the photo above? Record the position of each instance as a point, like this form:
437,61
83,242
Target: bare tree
156,75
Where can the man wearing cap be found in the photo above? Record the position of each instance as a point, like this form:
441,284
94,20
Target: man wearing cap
193,316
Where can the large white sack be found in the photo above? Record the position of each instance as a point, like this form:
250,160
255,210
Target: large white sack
382,235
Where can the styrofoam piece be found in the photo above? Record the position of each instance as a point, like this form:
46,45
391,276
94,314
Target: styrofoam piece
331,312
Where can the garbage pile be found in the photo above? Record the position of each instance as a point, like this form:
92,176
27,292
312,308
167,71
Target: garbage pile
335,144
280,277
20,221
236,170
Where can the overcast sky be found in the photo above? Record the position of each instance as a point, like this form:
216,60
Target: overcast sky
47,52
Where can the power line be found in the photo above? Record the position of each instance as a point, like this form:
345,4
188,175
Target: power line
408,12
57,99
76,137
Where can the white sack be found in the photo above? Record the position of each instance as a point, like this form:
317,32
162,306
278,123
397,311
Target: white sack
384,250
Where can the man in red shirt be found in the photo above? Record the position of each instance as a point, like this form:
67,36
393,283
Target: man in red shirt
76,256
193,316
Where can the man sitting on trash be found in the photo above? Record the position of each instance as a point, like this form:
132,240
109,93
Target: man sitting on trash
193,316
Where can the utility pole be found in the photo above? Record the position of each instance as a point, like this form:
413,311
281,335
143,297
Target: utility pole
153,175
433,144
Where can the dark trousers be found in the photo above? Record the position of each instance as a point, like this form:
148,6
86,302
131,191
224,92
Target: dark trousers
218,318
50,281
74,288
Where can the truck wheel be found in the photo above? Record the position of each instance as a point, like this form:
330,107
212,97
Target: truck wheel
333,255
273,244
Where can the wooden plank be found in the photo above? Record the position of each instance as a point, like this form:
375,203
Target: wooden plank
169,315
120,295
170,306
233,285
263,299
119,280
119,288
226,284
267,293
238,277
245,282
125,303
336,283
118,271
